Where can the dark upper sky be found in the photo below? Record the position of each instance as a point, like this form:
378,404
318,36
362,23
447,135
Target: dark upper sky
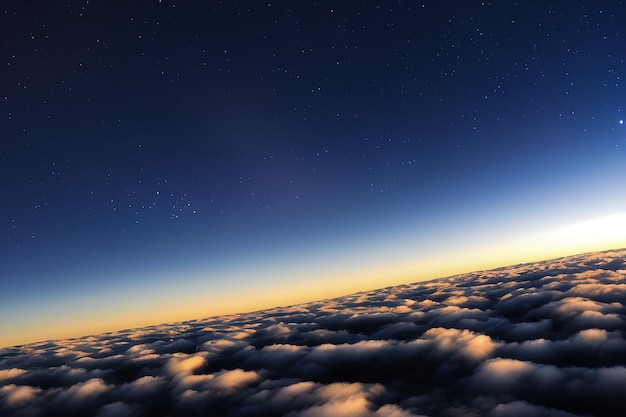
176,139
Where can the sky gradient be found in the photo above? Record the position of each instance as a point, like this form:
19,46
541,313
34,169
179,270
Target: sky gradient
167,160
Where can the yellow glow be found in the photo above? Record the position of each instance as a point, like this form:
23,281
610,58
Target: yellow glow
292,282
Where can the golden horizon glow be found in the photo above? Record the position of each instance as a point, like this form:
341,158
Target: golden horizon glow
296,283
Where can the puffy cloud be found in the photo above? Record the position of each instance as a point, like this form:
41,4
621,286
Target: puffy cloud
462,342
220,346
235,379
605,292
182,364
348,407
594,337
18,395
503,374
392,410
85,391
143,387
343,399
81,398
576,305
529,331
590,318
294,396
6,374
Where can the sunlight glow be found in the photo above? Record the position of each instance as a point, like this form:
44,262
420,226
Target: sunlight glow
609,231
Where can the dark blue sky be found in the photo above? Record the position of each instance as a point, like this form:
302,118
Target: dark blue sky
161,144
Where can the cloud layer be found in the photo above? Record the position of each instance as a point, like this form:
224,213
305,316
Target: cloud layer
541,339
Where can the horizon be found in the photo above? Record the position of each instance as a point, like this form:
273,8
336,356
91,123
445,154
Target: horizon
310,301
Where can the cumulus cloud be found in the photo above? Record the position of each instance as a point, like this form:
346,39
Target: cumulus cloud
182,364
348,407
143,387
540,339
17,395
6,374
503,374
235,379
461,342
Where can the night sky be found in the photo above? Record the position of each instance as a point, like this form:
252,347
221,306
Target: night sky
165,160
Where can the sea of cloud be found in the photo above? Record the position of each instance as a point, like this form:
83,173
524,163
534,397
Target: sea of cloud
540,339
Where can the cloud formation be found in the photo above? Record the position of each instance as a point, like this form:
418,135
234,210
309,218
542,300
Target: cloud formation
541,339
